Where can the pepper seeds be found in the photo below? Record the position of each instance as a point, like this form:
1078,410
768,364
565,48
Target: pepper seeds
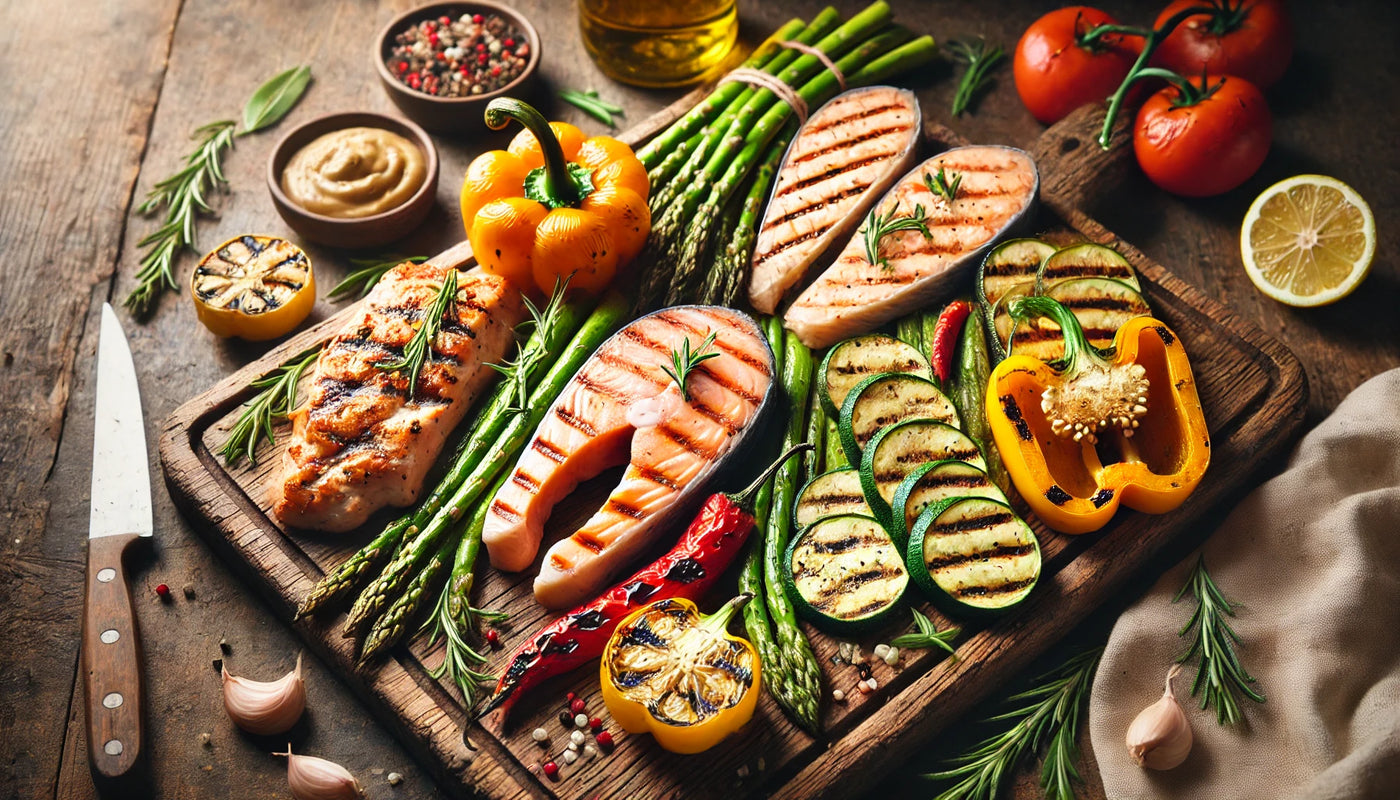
473,54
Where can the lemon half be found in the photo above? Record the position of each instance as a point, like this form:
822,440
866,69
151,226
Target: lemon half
1308,240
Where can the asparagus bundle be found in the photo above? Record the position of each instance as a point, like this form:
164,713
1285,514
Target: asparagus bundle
721,151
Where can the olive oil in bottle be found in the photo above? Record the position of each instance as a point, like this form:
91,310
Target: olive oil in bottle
658,42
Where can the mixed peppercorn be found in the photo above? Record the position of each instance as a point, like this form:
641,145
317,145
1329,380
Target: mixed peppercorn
473,54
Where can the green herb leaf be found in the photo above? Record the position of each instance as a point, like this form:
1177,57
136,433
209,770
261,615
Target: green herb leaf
926,635
877,227
416,352
1220,675
366,273
271,102
685,361
276,401
944,184
980,60
589,103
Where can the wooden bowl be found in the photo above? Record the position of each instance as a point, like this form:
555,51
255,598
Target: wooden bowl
451,114
370,231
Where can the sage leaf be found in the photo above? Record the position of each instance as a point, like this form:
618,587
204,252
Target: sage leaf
271,102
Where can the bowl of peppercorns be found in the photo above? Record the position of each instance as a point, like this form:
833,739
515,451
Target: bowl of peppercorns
442,63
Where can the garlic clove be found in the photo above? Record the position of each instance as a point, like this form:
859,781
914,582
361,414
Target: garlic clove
312,778
1160,737
265,707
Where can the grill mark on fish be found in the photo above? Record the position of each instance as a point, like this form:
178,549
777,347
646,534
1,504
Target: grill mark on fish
725,383
730,426
588,542
814,206
690,445
616,362
659,478
574,421
844,118
501,509
747,358
549,451
625,509
791,243
1001,552
525,481
888,130
835,171
979,168
1008,587
971,523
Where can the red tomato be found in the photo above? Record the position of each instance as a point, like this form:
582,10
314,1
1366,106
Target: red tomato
1252,39
1207,148
1055,74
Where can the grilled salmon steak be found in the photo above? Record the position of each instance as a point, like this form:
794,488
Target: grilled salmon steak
844,157
998,189
622,408
359,443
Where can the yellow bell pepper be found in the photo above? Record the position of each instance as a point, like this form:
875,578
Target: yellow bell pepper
554,205
1094,429
669,672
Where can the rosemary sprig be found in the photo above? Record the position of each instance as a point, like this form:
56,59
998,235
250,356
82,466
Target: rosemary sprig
926,635
518,370
366,273
589,103
980,60
1046,715
1220,675
459,657
685,361
878,226
944,183
420,347
276,400
183,194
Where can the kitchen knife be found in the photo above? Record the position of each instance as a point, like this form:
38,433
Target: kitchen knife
120,517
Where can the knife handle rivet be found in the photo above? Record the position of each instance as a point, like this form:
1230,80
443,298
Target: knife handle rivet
110,636
113,747
107,575
112,700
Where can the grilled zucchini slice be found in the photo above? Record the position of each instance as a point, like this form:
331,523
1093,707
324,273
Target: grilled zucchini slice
899,449
852,361
1008,265
882,400
973,556
930,484
844,574
828,495
1085,261
1102,305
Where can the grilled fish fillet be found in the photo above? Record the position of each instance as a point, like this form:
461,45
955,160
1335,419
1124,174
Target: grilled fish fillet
843,158
999,187
621,408
359,443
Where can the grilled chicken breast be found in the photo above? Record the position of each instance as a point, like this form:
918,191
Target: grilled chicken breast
843,158
998,189
359,443
622,408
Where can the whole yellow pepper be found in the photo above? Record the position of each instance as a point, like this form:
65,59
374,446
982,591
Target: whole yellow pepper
554,205
669,672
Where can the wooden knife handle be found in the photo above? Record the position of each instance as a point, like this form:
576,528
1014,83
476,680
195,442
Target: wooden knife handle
112,667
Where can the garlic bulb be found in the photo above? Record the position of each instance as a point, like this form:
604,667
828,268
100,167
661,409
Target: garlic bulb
312,778
265,708
1160,736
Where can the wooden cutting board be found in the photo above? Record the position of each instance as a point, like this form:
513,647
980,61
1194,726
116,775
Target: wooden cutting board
1254,392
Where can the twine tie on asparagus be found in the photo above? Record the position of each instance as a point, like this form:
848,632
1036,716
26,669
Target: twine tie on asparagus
773,84
820,56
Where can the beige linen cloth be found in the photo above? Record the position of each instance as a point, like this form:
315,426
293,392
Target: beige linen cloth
1314,557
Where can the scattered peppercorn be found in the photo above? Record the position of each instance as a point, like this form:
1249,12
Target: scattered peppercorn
570,697
577,705
581,721
472,55
163,591
188,589
604,740
493,638
540,735
551,769
595,724
565,718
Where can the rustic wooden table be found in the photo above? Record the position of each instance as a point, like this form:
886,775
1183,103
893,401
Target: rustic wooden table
99,100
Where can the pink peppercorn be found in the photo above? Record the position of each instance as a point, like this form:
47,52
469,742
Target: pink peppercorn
483,58
604,740
508,43
163,591
551,769
445,20
577,706
595,724
478,19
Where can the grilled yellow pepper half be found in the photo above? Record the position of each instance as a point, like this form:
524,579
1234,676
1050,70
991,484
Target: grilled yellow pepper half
1094,429
677,675
554,205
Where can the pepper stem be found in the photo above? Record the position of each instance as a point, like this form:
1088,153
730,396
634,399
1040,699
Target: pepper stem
1076,343
558,183
719,621
745,499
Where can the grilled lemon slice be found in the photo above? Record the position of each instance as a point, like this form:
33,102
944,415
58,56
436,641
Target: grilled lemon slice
253,287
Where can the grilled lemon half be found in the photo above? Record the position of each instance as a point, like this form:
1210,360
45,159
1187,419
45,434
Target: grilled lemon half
253,287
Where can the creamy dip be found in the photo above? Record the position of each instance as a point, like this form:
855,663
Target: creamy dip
354,172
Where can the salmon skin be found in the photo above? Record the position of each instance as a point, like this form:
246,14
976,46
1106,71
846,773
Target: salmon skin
998,190
844,157
358,443
622,408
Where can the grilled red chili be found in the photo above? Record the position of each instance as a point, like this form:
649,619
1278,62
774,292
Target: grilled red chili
706,549
945,338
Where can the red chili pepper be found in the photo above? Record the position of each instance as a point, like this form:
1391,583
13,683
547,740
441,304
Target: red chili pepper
706,549
945,338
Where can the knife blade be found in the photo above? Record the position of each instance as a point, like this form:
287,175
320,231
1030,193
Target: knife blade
120,517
